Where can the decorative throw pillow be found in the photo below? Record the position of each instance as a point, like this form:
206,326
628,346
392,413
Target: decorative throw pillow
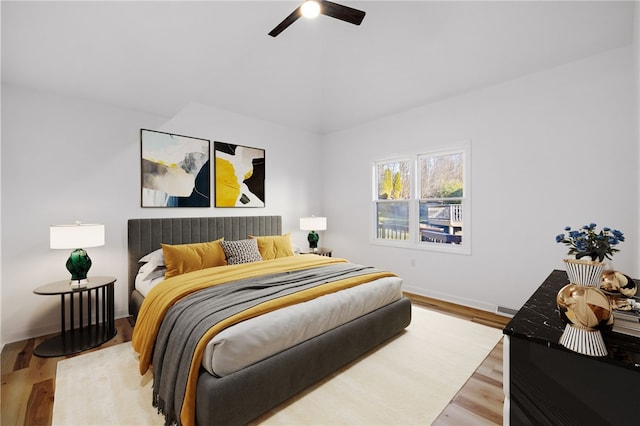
274,246
183,258
241,251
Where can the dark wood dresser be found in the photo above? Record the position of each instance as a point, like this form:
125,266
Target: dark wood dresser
547,384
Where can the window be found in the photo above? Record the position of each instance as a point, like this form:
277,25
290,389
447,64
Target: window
423,201
393,183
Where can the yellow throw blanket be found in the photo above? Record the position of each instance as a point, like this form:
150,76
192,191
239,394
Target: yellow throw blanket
167,293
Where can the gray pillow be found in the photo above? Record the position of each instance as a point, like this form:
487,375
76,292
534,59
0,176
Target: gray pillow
241,251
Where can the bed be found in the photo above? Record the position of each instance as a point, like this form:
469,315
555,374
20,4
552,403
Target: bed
242,395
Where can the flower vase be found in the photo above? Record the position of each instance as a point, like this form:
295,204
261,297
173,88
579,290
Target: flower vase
584,272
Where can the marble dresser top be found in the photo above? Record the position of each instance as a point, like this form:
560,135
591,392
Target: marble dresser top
539,321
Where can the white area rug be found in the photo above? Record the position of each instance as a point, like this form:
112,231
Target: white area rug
407,381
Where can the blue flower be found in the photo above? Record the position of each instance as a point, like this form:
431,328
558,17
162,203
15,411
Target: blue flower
591,243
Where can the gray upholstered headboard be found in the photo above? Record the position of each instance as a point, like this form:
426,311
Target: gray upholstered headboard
145,235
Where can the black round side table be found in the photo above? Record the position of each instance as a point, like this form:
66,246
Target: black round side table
86,316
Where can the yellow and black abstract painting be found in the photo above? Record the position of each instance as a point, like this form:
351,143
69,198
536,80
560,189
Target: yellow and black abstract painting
239,174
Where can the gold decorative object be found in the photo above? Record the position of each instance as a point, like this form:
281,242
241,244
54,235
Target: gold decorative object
585,310
584,272
618,284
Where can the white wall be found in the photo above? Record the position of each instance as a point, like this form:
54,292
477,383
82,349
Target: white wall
63,160
293,189
551,149
67,159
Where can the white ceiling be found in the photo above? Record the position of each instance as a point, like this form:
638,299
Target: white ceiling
320,75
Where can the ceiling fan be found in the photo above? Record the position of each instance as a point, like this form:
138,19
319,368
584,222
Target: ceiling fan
311,9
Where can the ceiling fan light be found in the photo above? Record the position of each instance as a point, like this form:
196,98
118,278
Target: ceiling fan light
310,9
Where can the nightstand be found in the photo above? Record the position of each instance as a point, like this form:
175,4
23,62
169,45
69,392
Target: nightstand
319,251
90,316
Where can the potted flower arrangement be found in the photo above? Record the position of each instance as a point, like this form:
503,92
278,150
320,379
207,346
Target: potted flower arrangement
589,242
590,247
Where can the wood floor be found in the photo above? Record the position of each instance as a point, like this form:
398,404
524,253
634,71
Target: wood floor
480,400
28,382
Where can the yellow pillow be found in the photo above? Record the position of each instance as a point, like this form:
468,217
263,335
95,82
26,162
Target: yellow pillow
183,258
272,247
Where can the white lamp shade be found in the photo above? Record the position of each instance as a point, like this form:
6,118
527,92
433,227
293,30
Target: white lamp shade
313,223
76,236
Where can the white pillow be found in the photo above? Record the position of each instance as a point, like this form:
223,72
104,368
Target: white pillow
155,258
149,271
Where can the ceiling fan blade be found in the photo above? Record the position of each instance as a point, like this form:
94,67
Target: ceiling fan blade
344,13
286,22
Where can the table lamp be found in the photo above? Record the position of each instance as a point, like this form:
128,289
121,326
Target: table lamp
313,224
77,237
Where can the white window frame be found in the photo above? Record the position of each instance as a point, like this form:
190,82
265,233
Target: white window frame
414,240
410,205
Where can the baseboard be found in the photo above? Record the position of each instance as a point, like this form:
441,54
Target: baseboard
473,314
452,298
45,330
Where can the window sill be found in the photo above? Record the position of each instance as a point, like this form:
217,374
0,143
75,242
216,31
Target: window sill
425,246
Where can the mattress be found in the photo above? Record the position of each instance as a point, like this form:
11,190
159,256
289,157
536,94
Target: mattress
258,338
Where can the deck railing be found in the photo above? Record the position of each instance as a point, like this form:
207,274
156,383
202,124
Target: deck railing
395,230
455,212
451,212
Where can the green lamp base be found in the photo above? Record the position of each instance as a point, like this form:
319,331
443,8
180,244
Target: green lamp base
313,239
78,265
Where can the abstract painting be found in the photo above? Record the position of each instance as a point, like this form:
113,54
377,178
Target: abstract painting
239,173
176,170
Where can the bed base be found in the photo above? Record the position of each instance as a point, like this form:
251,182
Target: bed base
240,397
